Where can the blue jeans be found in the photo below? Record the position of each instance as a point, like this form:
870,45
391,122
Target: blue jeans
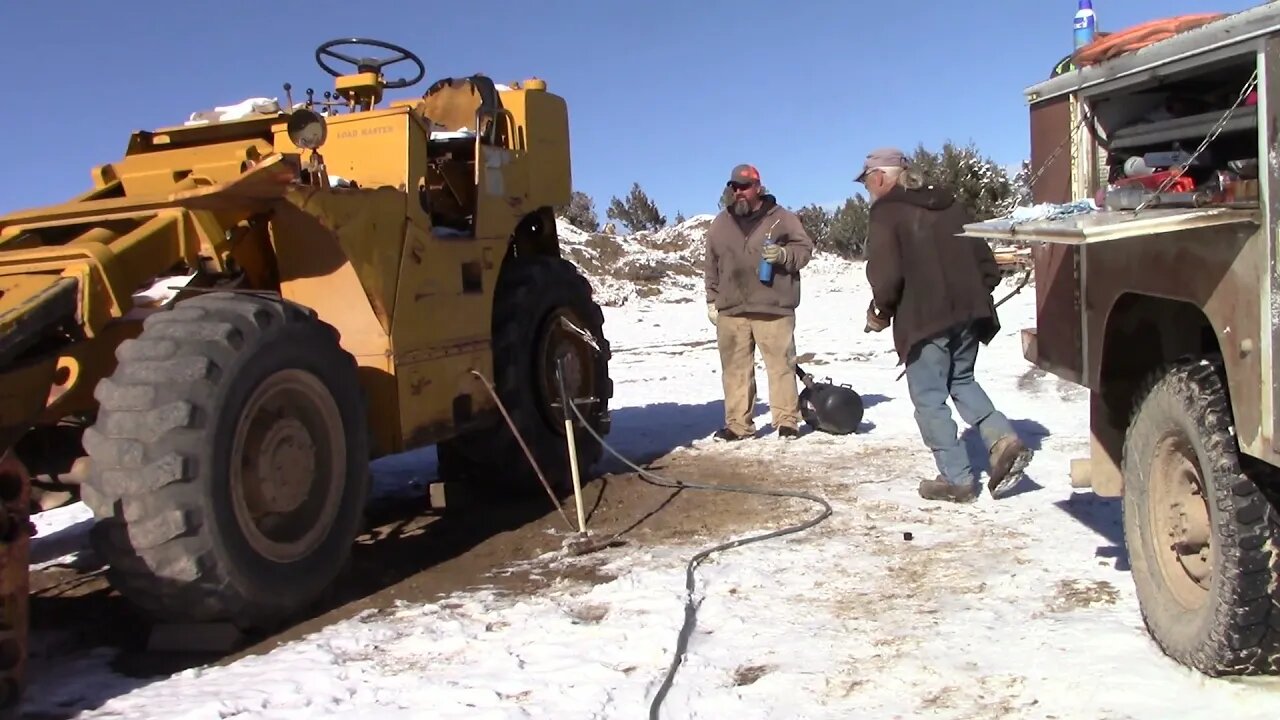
942,367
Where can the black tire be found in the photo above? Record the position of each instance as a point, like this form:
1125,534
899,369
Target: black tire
531,293
169,497
1181,435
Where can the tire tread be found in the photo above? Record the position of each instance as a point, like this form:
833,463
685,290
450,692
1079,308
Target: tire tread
150,448
1242,636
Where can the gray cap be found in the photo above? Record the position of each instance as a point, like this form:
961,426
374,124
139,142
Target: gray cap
882,157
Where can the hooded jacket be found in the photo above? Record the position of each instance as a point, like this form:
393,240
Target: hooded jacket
923,277
732,262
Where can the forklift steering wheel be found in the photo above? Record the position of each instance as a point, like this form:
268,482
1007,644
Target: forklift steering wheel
368,64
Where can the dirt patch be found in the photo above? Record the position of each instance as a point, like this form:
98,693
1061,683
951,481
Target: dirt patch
604,255
648,514
1069,391
1029,381
410,554
674,241
919,567
589,613
816,360
748,674
1077,594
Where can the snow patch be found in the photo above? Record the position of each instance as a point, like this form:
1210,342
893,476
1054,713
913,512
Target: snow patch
892,607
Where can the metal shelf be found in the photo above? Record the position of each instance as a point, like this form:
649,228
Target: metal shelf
1193,128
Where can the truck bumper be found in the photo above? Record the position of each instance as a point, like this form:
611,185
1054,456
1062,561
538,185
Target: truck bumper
1029,346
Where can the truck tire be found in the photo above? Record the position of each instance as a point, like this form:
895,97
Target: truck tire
1198,526
532,293
229,461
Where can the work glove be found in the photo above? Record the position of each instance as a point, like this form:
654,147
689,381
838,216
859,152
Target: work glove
875,323
711,313
776,254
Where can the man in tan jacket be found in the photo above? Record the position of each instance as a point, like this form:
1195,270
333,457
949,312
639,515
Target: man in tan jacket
749,312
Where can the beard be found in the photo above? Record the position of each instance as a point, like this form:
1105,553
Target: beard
741,208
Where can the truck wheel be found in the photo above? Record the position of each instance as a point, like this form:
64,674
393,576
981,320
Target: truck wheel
1199,529
229,461
532,294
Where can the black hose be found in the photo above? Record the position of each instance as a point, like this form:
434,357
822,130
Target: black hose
690,608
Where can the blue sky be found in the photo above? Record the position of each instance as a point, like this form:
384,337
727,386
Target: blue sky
669,94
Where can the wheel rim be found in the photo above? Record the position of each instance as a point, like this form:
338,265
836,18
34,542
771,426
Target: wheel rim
288,461
1179,518
558,342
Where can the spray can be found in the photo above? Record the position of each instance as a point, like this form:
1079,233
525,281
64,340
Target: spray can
1085,24
766,267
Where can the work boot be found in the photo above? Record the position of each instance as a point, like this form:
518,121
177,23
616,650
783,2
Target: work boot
940,489
1009,457
788,433
727,435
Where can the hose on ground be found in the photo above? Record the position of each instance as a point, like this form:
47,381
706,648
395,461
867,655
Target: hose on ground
690,607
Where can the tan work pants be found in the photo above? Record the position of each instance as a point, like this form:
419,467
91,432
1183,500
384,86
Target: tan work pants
737,338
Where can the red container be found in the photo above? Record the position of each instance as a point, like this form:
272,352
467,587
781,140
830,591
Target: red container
1155,180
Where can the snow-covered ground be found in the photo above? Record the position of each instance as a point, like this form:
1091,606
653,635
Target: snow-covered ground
1020,607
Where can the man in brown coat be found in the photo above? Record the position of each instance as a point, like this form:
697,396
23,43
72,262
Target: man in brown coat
748,311
936,289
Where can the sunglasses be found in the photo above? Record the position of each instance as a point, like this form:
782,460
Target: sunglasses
739,187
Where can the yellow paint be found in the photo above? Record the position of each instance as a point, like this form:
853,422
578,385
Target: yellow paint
392,236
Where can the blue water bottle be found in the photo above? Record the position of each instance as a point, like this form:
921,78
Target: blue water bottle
1085,24
766,267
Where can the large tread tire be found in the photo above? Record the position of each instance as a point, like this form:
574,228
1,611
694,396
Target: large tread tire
530,290
1227,628
161,450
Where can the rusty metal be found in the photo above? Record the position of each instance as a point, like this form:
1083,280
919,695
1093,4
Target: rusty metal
1179,518
1213,269
15,553
1269,191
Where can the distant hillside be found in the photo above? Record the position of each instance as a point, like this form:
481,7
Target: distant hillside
662,266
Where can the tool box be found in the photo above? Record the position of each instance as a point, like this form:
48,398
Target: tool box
1185,141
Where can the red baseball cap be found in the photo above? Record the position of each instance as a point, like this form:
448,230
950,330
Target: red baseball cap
744,175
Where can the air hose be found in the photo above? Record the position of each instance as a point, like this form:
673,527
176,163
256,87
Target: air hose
690,607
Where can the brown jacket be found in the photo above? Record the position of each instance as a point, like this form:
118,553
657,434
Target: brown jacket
922,276
730,270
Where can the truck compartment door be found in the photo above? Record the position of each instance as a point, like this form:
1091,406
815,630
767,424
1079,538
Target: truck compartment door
1058,343
1104,225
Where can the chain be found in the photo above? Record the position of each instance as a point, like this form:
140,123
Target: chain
1035,177
1217,128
